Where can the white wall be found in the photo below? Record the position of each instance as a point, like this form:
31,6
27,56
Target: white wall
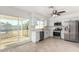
51,25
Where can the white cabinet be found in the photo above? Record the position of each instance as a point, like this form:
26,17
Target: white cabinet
35,36
62,34
46,33
51,32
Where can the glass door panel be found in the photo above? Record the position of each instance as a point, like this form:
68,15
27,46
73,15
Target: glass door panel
8,31
24,29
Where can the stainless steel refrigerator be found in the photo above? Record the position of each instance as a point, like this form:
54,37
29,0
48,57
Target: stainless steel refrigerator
72,31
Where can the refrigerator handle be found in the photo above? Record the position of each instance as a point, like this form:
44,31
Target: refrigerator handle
66,28
69,28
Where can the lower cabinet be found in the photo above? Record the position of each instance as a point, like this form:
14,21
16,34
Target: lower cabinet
46,34
35,36
39,35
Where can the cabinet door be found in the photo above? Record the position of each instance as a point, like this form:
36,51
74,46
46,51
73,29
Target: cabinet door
46,33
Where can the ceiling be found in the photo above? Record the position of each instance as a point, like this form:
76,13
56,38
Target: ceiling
45,10
41,10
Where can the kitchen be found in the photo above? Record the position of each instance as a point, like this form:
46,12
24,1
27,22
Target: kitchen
56,26
49,28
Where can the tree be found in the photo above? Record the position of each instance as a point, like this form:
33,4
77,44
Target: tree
25,26
8,27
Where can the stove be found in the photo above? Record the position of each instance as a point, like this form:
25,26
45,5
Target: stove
57,32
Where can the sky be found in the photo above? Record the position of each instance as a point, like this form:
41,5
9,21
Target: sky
13,22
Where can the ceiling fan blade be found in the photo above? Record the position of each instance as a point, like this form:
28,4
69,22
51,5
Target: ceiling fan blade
62,12
58,14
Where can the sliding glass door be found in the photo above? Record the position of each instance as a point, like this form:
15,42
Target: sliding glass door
13,30
8,31
24,28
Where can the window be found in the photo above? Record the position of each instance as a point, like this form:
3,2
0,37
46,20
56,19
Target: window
38,24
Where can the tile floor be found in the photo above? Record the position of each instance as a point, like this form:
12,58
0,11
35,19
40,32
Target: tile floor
47,45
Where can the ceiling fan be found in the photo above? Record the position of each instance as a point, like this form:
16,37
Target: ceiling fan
55,12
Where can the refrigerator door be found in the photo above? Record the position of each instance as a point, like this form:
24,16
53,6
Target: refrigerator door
66,31
72,31
77,31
